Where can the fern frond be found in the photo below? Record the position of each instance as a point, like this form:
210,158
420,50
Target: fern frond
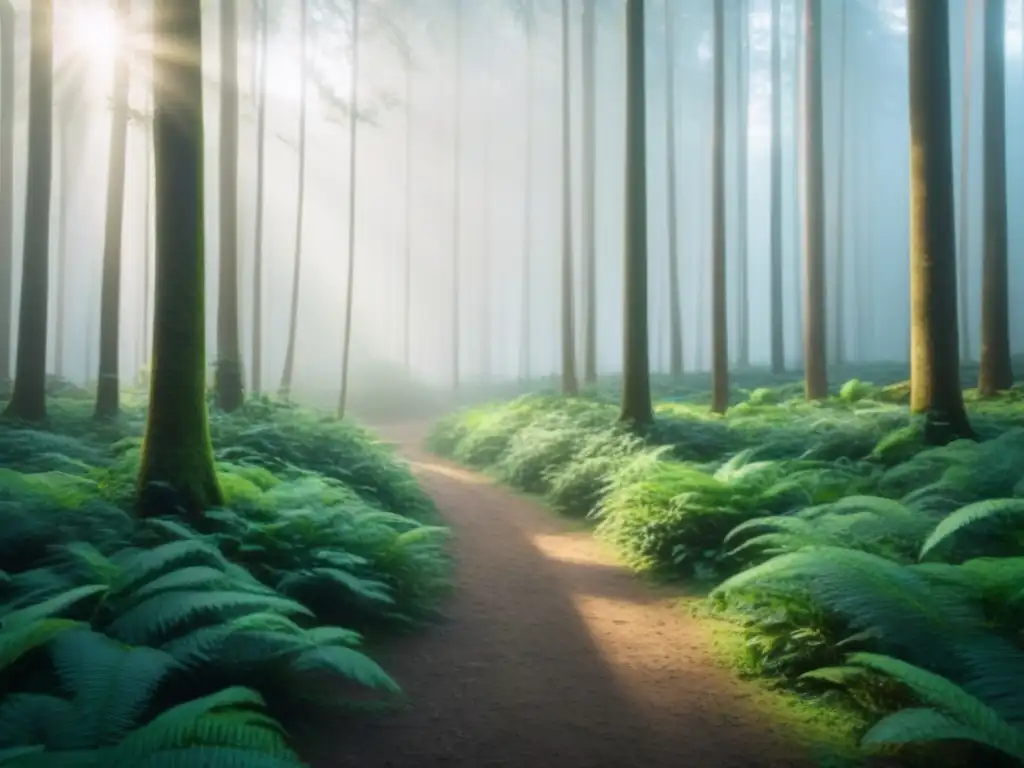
970,515
921,724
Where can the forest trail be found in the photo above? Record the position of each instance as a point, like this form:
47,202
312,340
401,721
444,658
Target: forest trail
551,656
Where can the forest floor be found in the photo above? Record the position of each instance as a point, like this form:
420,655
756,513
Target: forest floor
552,655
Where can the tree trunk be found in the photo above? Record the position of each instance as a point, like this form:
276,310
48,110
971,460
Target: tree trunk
288,373
230,390
525,347
108,385
742,137
798,292
964,244
61,272
147,247
570,386
934,362
457,199
778,331
353,123
28,398
407,230
719,310
674,302
7,115
177,471
815,318
257,253
589,244
839,281
636,379
486,252
996,371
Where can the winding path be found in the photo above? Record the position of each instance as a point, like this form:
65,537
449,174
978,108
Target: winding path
551,657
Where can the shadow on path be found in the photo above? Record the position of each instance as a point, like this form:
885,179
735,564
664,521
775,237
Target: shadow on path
551,657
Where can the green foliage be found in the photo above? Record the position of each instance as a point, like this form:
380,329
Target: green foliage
155,643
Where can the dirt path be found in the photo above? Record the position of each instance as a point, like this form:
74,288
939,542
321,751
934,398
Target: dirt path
551,657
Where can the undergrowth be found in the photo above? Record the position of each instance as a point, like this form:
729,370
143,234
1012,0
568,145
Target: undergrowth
155,643
857,560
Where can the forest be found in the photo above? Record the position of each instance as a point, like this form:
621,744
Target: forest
511,383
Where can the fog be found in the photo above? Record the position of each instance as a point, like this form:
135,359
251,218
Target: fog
492,170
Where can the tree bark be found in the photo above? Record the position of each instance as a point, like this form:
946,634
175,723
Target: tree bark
934,363
964,243
177,471
108,385
570,385
719,308
675,309
257,252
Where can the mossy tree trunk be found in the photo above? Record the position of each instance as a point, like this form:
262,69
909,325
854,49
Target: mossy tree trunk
570,384
778,332
108,386
719,308
177,471
996,371
636,379
675,310
934,361
288,374
229,384
815,317
7,115
257,248
28,399
588,234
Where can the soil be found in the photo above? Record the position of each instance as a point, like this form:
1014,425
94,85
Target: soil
551,656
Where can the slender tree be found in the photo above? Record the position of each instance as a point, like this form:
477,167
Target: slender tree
996,371
28,398
588,51
457,200
177,471
288,373
108,387
815,359
675,309
964,224
60,274
778,333
526,311
719,314
257,257
353,123
570,385
7,115
486,252
839,281
742,171
230,390
407,214
147,237
797,276
934,361
636,380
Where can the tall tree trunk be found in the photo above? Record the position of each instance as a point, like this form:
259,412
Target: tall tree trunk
839,281
407,229
457,200
257,252
61,272
778,331
177,475
353,123
7,115
28,398
719,310
525,346
742,138
964,243
815,318
797,276
996,371
570,386
229,386
288,373
636,378
589,244
486,255
147,246
934,361
674,303
108,385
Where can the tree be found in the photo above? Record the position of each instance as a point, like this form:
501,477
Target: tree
28,398
742,170
636,381
569,384
995,372
719,316
525,346
7,115
108,386
589,246
257,257
778,335
177,471
963,246
288,373
675,309
839,276
353,122
407,215
815,360
457,199
934,355
230,390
